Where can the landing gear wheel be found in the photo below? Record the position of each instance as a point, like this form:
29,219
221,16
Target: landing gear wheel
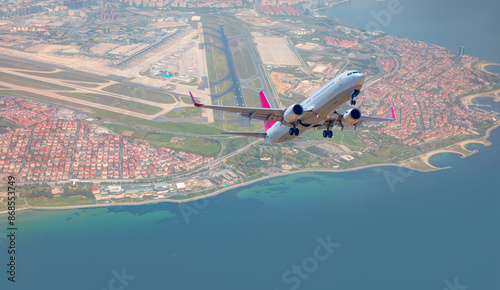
353,102
296,131
325,134
330,134
291,131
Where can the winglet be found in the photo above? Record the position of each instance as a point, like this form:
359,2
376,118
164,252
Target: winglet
393,115
194,102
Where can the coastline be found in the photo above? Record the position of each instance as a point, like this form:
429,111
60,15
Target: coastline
467,100
411,163
414,163
483,64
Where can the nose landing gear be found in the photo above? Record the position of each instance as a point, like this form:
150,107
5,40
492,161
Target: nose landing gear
354,94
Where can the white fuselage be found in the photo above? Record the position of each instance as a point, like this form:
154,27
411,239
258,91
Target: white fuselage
323,103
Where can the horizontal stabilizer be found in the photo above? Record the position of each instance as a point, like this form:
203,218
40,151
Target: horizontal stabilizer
393,117
247,134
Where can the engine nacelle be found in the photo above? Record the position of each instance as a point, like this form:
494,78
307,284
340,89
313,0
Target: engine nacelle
293,113
351,117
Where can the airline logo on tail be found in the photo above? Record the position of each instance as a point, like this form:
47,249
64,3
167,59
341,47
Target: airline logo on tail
265,104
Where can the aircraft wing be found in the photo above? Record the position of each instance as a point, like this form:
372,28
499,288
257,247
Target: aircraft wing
337,116
336,119
265,114
366,118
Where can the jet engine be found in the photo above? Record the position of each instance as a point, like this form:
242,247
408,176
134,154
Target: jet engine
351,117
293,113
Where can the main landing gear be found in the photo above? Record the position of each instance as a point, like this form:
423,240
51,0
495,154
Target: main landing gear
354,94
328,133
293,131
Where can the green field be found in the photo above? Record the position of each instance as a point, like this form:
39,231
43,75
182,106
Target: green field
8,63
115,102
212,40
236,127
191,112
256,84
141,93
27,82
220,87
62,201
252,98
216,63
5,122
232,31
236,143
118,129
213,31
237,42
86,85
192,144
227,100
201,146
188,100
348,137
305,54
185,127
68,76
227,116
244,64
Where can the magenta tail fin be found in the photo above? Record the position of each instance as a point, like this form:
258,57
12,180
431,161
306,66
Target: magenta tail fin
264,103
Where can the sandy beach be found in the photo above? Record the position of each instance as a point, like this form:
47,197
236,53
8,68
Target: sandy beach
467,100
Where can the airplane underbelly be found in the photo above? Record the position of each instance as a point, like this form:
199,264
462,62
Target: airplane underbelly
281,134
326,109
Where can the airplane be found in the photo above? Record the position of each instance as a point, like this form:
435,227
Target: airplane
319,111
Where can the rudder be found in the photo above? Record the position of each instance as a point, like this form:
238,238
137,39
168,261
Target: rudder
264,103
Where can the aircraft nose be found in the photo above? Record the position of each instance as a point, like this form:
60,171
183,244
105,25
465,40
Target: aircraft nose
360,78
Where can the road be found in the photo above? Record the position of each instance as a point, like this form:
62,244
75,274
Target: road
81,89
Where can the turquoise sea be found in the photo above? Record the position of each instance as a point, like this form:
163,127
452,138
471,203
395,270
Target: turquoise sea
388,228
494,69
447,23
379,228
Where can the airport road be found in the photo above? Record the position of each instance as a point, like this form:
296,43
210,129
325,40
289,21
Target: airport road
54,95
80,89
